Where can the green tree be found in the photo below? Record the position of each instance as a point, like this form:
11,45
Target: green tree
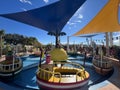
2,32
57,36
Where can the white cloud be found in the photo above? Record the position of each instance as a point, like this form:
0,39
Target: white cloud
26,1
80,16
70,23
79,21
46,1
75,20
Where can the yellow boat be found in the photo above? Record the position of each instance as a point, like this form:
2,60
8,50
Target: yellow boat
61,76
10,66
103,66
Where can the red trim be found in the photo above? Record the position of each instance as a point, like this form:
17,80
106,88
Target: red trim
65,84
47,88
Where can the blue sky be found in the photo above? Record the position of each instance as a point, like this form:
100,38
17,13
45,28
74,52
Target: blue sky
85,13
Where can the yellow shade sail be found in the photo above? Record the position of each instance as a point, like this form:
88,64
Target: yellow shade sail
105,21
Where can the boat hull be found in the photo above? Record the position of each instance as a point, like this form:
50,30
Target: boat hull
10,74
10,70
102,71
60,86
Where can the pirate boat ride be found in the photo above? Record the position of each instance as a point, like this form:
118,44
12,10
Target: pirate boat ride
102,64
11,66
58,74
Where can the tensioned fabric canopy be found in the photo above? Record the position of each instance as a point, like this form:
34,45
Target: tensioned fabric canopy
105,21
88,35
51,18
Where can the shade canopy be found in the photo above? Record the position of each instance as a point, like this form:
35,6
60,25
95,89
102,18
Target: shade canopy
88,35
51,18
105,21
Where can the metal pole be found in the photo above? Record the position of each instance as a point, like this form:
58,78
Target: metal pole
119,40
87,41
74,47
111,41
13,57
107,43
91,41
1,45
68,43
101,54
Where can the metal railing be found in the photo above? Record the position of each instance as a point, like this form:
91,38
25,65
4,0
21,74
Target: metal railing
9,67
102,63
46,74
81,74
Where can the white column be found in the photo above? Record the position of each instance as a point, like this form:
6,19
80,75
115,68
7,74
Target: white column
91,41
87,40
107,43
74,47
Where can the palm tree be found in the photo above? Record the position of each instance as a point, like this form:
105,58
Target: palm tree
2,32
57,35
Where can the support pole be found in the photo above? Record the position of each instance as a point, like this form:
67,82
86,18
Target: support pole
13,57
1,46
107,43
111,41
91,41
68,43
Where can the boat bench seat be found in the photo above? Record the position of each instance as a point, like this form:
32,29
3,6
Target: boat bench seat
66,71
54,79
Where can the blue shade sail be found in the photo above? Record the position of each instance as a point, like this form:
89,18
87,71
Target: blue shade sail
51,18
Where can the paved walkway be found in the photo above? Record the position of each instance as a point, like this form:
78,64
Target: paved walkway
115,78
113,83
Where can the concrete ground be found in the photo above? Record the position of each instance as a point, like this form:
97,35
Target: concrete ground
115,78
